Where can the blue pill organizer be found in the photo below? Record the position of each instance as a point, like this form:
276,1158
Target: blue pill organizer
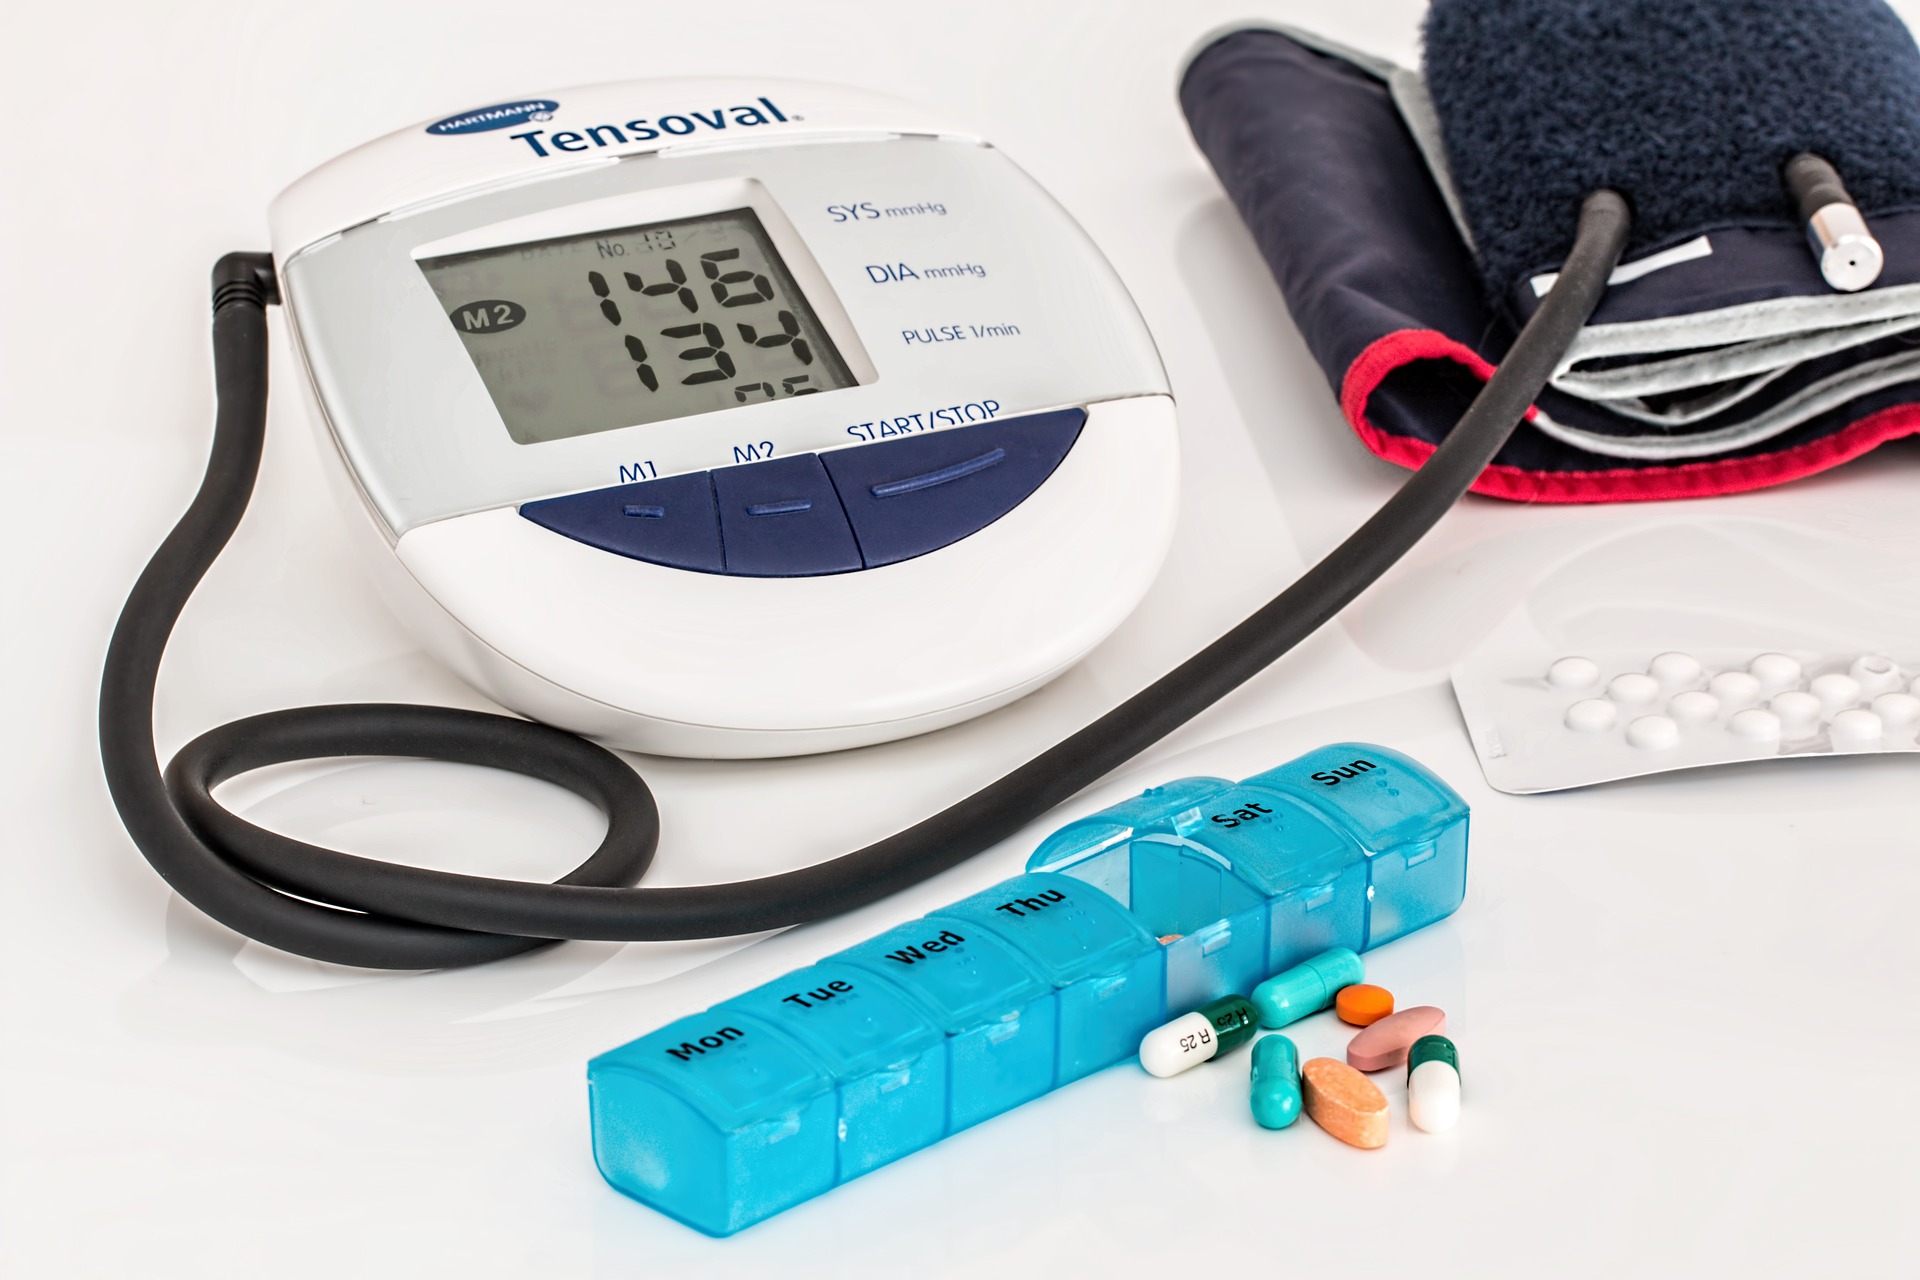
1126,918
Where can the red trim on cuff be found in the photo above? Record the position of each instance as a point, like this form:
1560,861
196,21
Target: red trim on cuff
1622,484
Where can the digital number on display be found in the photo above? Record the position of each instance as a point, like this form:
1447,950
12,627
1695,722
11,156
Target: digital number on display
637,325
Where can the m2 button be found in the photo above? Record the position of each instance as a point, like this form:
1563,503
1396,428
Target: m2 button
782,519
909,496
670,522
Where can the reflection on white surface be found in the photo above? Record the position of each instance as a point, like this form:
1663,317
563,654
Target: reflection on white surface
1661,983
562,1004
430,814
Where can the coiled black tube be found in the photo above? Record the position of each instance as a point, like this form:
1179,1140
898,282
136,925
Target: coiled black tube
352,910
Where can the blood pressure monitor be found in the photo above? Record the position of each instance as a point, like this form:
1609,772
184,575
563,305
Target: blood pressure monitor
729,418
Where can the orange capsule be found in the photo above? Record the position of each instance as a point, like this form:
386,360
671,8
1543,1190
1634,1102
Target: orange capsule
1363,1004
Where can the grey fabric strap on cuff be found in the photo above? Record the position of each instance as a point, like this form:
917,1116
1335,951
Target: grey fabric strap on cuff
1728,356
1809,401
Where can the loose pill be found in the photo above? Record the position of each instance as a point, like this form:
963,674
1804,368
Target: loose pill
1653,733
1592,715
1573,673
1168,939
1306,988
1363,1004
1633,689
1834,691
1198,1037
1344,1103
1433,1084
1674,669
1775,670
1276,1082
1385,1043
1693,707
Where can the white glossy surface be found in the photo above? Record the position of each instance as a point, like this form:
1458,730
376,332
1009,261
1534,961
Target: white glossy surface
176,1103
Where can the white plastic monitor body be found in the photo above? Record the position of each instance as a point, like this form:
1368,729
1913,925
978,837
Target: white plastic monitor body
957,294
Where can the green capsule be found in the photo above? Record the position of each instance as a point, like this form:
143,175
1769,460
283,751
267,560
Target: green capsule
1433,1049
1276,1082
1234,1020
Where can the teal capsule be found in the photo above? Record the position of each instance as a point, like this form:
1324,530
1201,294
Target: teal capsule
1276,1082
1306,988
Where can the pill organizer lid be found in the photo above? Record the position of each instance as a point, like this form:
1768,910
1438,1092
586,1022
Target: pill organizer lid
1065,927
1173,809
868,1028
731,1067
963,984
1293,845
1384,798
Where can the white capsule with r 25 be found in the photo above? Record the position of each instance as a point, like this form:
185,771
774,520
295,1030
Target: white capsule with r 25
1198,1037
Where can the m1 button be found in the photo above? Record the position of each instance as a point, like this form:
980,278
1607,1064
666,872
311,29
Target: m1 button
671,522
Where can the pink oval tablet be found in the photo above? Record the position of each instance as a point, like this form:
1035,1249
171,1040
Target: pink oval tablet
1385,1043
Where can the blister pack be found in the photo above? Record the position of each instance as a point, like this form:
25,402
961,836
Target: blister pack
1557,721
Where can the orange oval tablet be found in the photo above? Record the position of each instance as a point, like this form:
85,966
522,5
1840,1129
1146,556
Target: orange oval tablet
1363,1004
1344,1103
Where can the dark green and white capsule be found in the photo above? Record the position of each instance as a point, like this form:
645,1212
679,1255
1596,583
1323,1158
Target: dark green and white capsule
1198,1037
1433,1084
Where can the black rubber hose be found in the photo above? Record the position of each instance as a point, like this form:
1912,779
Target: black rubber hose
352,910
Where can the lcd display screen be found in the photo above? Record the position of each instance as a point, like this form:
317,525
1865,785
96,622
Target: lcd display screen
635,325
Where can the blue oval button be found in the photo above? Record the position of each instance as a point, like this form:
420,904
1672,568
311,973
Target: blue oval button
907,497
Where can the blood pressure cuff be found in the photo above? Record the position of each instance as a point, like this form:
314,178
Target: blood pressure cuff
1716,363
